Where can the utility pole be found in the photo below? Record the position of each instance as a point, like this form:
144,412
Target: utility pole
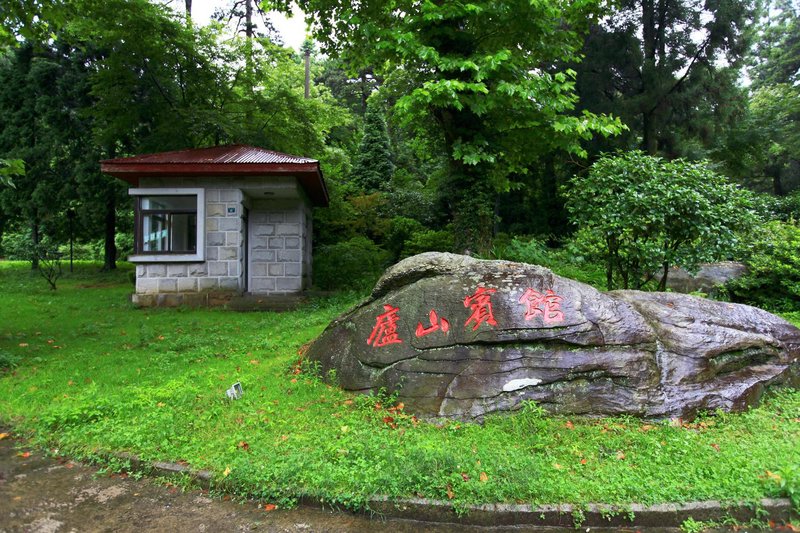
307,48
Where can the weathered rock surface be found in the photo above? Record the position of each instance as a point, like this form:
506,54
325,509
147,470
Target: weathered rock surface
709,278
461,338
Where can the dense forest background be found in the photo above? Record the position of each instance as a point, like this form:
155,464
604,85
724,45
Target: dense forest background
471,127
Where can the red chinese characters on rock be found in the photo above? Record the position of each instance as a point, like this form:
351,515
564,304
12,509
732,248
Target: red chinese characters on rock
547,305
481,305
385,330
436,325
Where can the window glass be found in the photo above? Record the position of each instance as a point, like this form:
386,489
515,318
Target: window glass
169,203
168,224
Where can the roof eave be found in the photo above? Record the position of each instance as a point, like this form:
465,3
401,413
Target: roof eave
309,174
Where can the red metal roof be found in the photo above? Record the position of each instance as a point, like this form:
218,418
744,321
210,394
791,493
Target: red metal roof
234,160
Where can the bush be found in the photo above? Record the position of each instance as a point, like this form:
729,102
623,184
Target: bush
428,241
17,246
773,279
401,229
649,214
353,264
567,261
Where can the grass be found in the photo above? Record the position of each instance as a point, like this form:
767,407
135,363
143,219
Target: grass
88,374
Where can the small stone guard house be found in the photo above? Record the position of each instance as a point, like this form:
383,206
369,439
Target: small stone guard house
213,223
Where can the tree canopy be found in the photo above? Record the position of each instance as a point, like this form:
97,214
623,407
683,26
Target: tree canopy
492,75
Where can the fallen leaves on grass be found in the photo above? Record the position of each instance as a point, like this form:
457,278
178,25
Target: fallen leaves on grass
3,436
227,471
244,446
270,507
484,477
569,425
449,492
24,455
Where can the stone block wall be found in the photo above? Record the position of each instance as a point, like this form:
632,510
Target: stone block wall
278,239
277,242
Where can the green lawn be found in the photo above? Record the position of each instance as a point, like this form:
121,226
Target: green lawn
91,375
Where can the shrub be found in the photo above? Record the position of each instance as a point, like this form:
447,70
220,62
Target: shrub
401,229
353,264
17,246
649,214
428,241
773,279
567,261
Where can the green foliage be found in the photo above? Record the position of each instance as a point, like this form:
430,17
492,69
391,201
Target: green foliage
647,214
373,169
8,360
658,65
776,57
17,246
773,261
400,232
474,68
10,168
567,261
353,264
428,241
690,525
95,376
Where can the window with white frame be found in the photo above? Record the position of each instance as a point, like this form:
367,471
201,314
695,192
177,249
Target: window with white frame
169,224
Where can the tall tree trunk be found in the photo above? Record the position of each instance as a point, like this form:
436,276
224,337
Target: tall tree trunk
110,249
36,238
649,85
364,91
188,8
248,16
649,133
248,31
774,172
308,74
470,195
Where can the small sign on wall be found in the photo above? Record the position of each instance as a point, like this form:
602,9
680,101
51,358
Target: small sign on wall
231,210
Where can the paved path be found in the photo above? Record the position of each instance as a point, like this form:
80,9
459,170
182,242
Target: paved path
39,494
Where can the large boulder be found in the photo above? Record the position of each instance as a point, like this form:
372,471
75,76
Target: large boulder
710,277
460,338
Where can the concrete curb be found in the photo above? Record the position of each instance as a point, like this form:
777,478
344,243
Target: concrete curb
590,515
667,515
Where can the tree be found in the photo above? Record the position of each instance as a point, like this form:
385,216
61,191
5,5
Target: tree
32,95
670,69
776,54
373,168
642,214
763,150
487,72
